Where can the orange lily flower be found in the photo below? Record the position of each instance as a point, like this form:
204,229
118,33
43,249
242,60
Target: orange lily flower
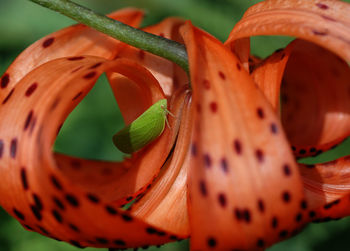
223,172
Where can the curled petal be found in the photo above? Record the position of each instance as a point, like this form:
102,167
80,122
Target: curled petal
315,99
315,106
322,22
245,188
134,92
72,42
268,75
327,189
170,76
165,204
63,197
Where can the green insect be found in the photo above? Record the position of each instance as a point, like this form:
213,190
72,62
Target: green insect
144,129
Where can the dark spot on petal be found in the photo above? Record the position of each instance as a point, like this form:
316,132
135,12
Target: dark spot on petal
90,75
203,188
28,227
77,69
259,155
76,58
48,42
207,160
76,244
151,230
283,233
119,242
24,179
18,214
141,54
8,96
32,125
58,203
1,148
77,96
237,146
222,200
336,202
260,113
95,65
127,217
213,107
93,198
287,170
286,196
302,151
37,201
319,152
331,204
298,217
246,215
74,227
194,149
303,204
238,66
101,240
224,165
206,84
312,150
260,243
328,206
261,205
42,229
28,120
5,80
294,148
72,200
312,214
322,6
211,241
56,183
57,216
238,214
319,33
273,128
222,75
13,148
173,237
279,50
111,210
75,164
36,212
31,89
310,166
274,222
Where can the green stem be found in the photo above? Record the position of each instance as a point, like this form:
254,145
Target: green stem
157,45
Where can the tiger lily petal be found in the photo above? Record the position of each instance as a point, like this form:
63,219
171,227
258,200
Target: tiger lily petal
314,92
72,41
238,142
58,195
310,127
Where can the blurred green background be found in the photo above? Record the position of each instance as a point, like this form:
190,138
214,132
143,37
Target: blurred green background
88,130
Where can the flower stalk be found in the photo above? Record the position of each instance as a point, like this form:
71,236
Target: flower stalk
157,45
